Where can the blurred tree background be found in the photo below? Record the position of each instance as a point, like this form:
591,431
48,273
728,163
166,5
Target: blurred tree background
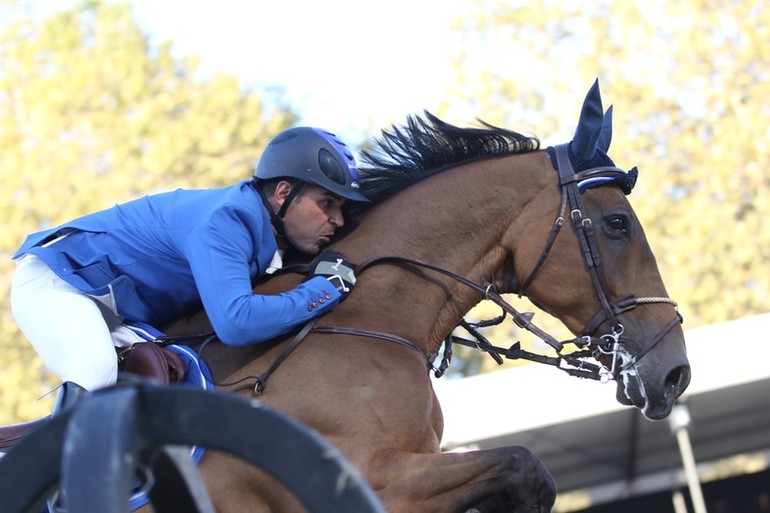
91,115
690,82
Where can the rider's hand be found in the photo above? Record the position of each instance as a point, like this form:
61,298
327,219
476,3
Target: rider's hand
333,266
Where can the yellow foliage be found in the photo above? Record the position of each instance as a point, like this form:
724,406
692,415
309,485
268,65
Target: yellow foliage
90,115
691,95
689,82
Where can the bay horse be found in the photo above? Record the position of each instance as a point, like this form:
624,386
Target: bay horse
459,214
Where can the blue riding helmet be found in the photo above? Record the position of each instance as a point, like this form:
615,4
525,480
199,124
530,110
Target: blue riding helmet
314,156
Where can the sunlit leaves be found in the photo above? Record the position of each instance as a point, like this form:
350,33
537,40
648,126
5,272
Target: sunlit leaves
690,82
90,115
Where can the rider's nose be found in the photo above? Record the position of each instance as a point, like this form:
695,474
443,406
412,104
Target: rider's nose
337,219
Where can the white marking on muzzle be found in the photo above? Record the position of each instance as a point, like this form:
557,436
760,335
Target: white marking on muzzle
628,372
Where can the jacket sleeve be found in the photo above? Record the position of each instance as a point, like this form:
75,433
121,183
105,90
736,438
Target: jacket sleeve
219,253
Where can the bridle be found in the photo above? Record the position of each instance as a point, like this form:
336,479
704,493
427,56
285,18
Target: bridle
589,346
572,184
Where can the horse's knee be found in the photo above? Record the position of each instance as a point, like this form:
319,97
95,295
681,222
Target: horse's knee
522,460
530,477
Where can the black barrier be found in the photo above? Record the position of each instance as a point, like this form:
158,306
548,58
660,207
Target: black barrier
92,452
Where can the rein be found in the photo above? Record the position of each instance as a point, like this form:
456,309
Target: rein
575,361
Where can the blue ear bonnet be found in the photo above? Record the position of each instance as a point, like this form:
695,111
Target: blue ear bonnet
599,159
625,181
588,149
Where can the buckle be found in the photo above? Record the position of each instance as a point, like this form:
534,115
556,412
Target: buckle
341,286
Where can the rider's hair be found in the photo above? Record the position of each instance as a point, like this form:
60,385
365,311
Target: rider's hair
268,186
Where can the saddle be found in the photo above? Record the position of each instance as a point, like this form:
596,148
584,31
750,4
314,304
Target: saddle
152,361
145,360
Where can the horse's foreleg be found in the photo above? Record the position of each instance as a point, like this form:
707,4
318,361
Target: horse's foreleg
509,479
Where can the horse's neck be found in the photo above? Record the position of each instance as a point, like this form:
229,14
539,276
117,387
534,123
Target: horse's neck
456,220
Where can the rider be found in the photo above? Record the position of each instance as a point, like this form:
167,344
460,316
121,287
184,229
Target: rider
153,259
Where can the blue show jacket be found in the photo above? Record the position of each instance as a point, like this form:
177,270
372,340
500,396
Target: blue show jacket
155,257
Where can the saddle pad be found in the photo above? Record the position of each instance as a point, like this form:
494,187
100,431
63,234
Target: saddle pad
196,374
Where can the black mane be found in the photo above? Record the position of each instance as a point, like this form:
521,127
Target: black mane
427,145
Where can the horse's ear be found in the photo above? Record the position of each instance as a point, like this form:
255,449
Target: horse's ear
605,137
590,125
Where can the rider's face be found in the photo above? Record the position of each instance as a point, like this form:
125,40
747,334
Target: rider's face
312,217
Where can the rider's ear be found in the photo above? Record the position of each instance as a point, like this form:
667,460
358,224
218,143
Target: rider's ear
282,190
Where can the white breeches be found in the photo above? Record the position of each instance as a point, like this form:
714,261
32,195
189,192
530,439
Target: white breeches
74,334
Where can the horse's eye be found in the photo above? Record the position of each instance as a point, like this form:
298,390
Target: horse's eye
617,223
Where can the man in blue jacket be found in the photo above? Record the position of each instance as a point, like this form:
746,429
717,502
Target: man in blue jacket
151,259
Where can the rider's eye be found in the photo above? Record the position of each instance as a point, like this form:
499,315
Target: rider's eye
617,223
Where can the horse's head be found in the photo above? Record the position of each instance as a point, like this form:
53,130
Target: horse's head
484,208
628,318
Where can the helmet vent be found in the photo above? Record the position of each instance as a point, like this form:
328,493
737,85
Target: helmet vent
284,136
330,166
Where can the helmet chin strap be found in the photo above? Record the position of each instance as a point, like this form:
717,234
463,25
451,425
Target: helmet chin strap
277,219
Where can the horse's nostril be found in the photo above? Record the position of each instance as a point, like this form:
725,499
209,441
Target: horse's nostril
678,379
